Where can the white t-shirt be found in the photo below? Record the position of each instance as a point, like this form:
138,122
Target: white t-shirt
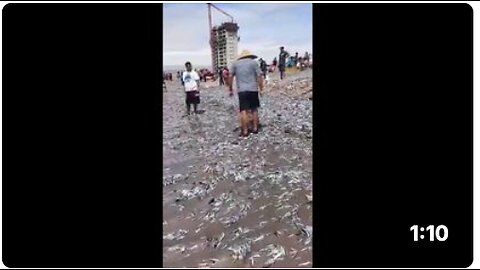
190,80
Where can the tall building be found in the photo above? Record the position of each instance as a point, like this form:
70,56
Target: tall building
225,40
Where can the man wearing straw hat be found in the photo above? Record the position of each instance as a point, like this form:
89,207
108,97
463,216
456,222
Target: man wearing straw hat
249,80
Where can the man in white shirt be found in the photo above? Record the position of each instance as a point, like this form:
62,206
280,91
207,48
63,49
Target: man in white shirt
191,82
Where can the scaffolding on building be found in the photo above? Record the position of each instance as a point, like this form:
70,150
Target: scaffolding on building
223,40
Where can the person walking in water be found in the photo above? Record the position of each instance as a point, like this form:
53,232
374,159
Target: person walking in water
249,81
282,58
191,82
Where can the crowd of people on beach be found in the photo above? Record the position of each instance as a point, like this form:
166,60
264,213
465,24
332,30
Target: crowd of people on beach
284,61
250,75
167,76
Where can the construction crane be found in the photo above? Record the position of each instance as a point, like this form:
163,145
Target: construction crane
217,8
210,29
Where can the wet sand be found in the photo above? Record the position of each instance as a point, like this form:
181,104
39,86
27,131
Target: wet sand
232,202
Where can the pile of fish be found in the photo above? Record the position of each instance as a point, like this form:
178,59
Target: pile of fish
297,85
238,202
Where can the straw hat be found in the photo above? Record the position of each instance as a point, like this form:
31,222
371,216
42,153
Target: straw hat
246,54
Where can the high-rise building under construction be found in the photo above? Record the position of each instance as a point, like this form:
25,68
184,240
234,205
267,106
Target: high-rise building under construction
224,46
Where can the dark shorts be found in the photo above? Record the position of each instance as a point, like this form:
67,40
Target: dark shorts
281,67
248,100
193,97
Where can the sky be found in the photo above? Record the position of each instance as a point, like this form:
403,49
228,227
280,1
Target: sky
263,29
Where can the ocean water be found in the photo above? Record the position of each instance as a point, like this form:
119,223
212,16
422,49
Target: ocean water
175,68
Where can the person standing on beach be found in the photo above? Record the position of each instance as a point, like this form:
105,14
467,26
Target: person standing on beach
204,74
306,59
225,74
282,58
220,76
249,80
263,67
191,82
274,64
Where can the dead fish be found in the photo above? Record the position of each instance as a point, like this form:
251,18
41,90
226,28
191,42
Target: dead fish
170,236
177,248
269,263
305,263
238,232
293,252
203,265
208,169
240,251
224,161
214,260
216,240
307,232
261,237
228,221
276,252
176,236
283,195
252,259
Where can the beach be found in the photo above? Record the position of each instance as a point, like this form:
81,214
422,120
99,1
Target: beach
234,202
